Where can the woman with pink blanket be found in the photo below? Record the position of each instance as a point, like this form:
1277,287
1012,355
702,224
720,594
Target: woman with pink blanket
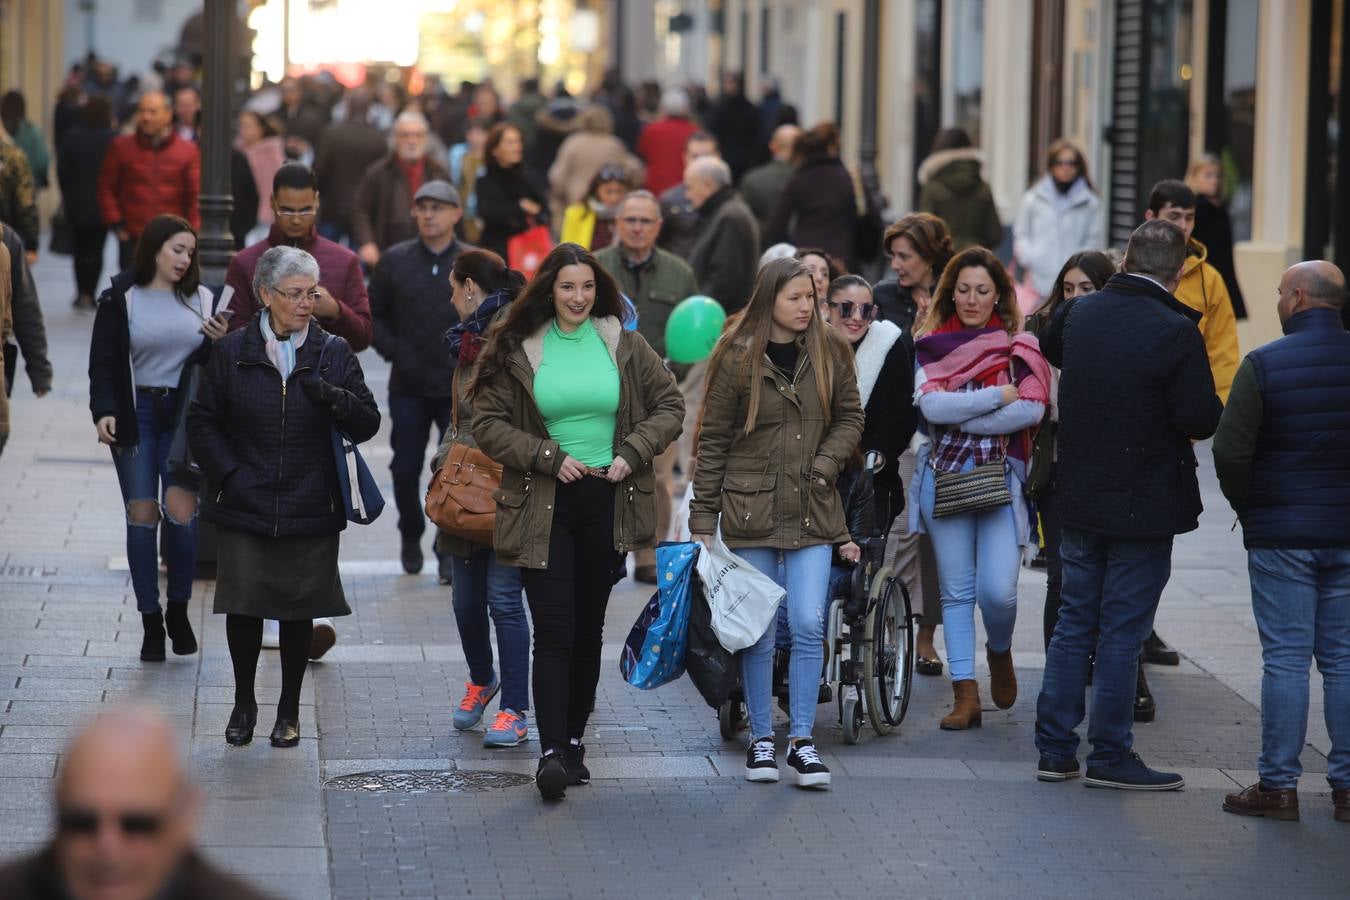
981,389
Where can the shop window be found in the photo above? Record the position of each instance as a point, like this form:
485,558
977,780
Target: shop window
1230,115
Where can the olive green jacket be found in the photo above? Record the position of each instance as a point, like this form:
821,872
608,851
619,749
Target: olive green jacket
766,485
655,287
509,428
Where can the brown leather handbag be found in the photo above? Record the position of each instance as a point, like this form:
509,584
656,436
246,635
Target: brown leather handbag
459,499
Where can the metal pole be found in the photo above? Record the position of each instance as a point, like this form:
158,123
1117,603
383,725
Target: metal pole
215,244
867,144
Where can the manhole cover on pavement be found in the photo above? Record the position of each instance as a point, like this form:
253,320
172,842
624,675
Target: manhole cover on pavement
426,781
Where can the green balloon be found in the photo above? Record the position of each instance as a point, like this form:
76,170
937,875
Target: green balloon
693,328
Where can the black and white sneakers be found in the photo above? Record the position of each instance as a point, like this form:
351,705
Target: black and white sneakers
760,764
804,763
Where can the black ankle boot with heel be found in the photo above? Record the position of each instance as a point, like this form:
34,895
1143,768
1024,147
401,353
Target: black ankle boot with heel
152,645
180,629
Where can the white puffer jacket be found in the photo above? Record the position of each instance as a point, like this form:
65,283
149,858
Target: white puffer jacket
1051,227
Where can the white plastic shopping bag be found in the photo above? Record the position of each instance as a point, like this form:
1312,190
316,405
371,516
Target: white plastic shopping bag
679,522
743,599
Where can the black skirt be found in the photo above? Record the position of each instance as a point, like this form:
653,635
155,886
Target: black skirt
278,578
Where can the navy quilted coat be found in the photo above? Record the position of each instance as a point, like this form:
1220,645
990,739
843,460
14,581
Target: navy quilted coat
265,447
1135,390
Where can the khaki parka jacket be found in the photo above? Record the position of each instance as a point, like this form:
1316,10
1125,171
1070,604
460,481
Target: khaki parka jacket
766,485
509,428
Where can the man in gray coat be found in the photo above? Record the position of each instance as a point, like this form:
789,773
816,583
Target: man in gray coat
725,256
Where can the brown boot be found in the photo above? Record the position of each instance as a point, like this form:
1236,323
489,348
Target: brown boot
1002,678
1340,804
1269,803
966,711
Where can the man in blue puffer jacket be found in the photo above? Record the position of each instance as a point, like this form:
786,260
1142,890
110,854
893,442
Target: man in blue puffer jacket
1283,456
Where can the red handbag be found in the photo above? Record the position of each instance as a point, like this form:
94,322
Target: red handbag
525,252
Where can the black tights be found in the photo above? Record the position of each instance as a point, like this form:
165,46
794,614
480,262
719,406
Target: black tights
244,635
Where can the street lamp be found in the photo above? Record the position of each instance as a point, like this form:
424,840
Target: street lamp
216,244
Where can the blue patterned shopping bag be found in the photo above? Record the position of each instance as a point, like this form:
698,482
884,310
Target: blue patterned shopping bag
653,655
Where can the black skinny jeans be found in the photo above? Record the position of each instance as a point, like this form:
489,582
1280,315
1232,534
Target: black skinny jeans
567,603
1052,530
89,258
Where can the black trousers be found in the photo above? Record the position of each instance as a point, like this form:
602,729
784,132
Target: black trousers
1053,531
126,253
567,603
410,420
89,258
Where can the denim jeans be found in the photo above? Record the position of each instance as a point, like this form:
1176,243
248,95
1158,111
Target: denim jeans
978,560
1111,591
483,586
143,474
1301,599
805,573
1051,529
410,421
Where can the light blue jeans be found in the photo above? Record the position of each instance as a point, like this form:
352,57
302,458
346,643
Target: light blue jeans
978,558
805,573
1301,599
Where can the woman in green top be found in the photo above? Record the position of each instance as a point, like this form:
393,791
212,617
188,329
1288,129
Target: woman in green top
575,409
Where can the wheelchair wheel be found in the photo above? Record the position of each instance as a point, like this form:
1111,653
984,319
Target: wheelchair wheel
731,718
888,662
851,718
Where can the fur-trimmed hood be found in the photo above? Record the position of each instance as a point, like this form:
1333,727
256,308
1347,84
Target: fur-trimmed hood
940,160
609,328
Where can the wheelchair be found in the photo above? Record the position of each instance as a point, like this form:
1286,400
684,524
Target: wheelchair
869,663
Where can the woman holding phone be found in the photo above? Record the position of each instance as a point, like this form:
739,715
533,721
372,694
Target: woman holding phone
152,322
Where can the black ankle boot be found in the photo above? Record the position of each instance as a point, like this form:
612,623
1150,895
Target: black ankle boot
152,646
180,629
1144,706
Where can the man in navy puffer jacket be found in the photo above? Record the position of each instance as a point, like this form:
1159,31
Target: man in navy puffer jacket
1283,456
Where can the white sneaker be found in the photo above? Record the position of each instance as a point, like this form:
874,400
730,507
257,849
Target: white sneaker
271,634
325,636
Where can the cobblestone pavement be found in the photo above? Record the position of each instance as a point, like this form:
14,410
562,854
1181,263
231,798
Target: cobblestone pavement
921,812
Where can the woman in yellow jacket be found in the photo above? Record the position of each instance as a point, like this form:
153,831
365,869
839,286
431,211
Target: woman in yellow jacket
590,223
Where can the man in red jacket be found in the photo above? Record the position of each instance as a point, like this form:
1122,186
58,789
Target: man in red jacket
342,307
148,173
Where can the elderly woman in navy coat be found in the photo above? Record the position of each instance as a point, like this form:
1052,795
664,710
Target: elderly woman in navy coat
261,431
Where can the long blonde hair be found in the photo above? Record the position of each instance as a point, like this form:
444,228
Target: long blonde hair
749,331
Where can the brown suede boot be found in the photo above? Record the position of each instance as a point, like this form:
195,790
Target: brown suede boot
966,711
1002,678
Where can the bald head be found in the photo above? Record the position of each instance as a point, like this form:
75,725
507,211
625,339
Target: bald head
780,145
126,812
1310,285
153,115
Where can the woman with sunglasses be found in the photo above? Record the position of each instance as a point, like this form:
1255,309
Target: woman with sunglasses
885,386
575,408
590,223
1061,215
261,430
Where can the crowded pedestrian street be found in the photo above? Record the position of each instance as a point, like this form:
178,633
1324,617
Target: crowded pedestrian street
920,812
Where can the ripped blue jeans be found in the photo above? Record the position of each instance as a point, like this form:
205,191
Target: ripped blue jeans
805,573
143,473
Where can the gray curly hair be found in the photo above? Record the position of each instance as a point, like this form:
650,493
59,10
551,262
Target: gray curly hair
279,263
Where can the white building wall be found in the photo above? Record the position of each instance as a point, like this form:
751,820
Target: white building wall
128,33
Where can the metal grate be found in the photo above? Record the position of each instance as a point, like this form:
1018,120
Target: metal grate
426,781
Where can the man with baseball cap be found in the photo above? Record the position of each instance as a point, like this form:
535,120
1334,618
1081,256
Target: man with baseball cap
410,302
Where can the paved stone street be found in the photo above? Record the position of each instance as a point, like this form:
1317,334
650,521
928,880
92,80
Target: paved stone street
918,813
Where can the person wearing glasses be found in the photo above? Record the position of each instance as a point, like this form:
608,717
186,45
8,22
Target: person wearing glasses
261,431
574,407
343,307
591,222
1061,215
655,280
127,816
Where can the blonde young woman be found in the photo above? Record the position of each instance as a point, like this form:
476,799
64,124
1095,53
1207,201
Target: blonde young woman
781,416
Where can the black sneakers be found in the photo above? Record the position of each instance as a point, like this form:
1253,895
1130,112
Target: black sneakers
551,777
804,763
760,764
412,558
1130,774
1050,769
574,758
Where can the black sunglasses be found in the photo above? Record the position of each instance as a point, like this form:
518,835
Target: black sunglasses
846,307
85,823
